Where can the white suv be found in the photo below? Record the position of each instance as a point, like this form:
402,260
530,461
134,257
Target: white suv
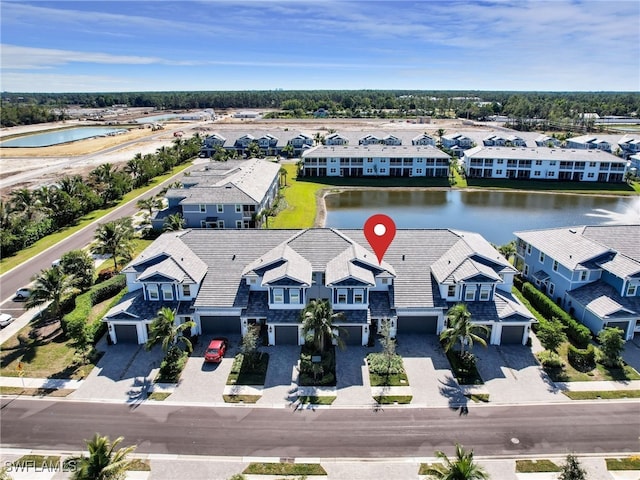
5,319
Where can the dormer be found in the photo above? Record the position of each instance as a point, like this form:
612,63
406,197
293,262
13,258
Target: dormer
392,140
423,139
245,140
336,139
369,140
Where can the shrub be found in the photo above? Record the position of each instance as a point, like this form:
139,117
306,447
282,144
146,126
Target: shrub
384,365
107,289
172,365
581,359
577,333
550,359
106,274
611,347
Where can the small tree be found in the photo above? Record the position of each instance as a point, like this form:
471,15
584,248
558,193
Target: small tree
173,223
462,467
572,470
51,285
80,265
116,239
611,346
249,346
104,461
317,324
164,330
551,334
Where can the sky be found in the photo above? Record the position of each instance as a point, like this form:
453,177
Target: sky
130,45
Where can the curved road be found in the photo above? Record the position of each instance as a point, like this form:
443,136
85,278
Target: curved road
325,433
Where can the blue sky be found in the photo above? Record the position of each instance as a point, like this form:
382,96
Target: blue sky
91,46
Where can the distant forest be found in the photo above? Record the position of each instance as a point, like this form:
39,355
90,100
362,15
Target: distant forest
526,108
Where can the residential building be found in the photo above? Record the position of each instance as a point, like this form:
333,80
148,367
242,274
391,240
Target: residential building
270,142
226,280
547,141
423,139
223,195
497,140
457,140
375,160
630,144
543,163
593,272
589,142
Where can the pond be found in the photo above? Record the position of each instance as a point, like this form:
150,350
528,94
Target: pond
61,136
495,215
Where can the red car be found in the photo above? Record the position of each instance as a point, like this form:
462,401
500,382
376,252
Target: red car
215,350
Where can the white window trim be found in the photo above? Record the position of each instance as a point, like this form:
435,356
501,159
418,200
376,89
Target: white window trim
555,266
294,292
202,208
542,257
485,294
552,288
342,292
470,294
220,208
278,295
358,292
238,208
188,290
631,290
526,270
152,292
167,293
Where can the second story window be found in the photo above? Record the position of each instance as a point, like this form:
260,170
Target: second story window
153,292
167,292
528,249
238,208
186,290
555,265
278,295
294,296
584,275
485,293
451,291
470,294
220,208
203,208
541,257
342,295
358,295
631,290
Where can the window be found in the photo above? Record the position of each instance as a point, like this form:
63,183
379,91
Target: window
470,294
552,288
526,270
590,175
333,170
220,208
238,223
592,164
203,224
631,290
536,173
538,162
153,292
342,295
500,161
484,294
528,249
451,291
167,292
584,275
294,295
238,208
384,281
552,163
541,257
203,208
252,280
278,295
499,171
358,295
555,265
186,290
220,223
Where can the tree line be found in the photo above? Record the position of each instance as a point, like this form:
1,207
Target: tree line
29,215
19,108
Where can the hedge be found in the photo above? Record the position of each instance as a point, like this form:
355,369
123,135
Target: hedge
583,360
107,289
577,333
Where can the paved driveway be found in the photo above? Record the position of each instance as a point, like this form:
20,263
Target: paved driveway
281,384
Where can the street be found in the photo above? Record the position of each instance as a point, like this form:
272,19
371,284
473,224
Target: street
360,433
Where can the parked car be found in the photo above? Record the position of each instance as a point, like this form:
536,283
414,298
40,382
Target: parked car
215,351
5,319
23,293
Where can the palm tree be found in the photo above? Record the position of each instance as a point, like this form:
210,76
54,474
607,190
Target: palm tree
508,250
149,204
114,238
440,133
463,467
461,329
164,330
23,200
283,175
51,285
317,324
173,223
104,461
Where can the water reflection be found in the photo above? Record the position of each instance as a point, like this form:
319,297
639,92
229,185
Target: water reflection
496,215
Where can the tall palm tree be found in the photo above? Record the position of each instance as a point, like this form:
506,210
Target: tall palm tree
440,133
283,175
51,285
173,223
461,329
22,200
508,250
104,461
164,330
149,204
463,467
114,238
317,324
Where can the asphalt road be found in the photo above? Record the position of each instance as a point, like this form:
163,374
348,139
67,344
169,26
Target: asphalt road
23,274
325,433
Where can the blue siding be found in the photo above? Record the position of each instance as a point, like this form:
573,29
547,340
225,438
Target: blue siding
614,281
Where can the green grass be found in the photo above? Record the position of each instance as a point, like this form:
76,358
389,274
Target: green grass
158,396
35,392
284,469
242,374
534,466
241,398
41,245
628,463
460,182
604,395
479,397
556,186
37,461
317,400
393,380
393,399
298,203
139,465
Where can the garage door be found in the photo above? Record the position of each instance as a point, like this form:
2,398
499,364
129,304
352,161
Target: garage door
417,324
220,325
352,335
126,334
621,325
512,335
286,335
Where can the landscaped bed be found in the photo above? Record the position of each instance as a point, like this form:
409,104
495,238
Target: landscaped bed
244,373
535,466
317,369
284,469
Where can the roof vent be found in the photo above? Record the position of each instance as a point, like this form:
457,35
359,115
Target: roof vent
234,257
403,257
572,230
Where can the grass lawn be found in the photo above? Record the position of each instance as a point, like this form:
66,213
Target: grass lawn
298,204
284,469
139,465
44,351
570,374
158,396
394,380
556,186
604,395
315,400
478,397
464,377
35,392
393,399
241,398
533,466
629,463
41,245
41,462
242,374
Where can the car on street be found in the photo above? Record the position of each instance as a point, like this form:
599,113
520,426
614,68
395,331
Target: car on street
215,351
23,293
5,319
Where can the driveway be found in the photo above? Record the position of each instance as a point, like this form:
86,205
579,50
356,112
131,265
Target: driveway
281,384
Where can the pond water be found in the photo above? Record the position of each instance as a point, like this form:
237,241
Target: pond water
60,136
495,215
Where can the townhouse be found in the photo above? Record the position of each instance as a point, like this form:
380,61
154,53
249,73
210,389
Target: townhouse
593,272
543,163
223,195
375,160
270,142
226,280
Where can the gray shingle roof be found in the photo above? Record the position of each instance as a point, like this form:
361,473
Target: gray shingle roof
542,153
624,239
374,150
603,300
